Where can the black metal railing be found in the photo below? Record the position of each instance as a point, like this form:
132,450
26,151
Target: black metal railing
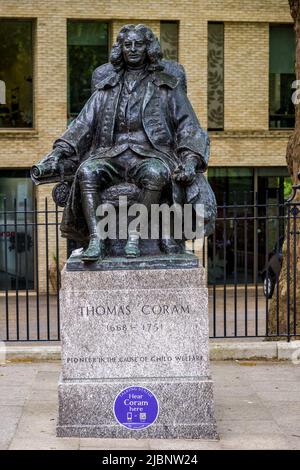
256,236
250,295
30,250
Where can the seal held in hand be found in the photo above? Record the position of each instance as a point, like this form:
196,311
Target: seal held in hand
48,168
44,170
53,168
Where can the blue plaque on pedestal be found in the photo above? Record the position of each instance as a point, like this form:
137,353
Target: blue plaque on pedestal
136,408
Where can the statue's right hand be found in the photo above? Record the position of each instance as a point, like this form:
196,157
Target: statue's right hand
49,165
54,157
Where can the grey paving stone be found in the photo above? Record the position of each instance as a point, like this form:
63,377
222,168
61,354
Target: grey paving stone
291,396
44,443
9,417
287,416
4,443
264,371
14,374
45,380
231,367
44,395
38,420
275,385
246,427
7,429
236,390
255,442
237,408
293,442
13,412
13,395
50,366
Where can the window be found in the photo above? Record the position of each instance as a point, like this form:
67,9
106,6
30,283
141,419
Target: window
87,49
250,221
282,74
236,185
215,76
16,72
16,230
169,39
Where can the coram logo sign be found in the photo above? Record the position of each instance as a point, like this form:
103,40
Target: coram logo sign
2,92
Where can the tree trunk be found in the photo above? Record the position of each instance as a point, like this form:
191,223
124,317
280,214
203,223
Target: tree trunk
284,320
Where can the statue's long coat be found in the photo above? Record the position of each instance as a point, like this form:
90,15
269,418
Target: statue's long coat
170,124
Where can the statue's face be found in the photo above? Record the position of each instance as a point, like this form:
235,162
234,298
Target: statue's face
134,49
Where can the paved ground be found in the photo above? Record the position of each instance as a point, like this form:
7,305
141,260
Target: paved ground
257,407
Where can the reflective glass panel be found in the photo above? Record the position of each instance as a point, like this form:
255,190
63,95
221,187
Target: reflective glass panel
16,230
87,49
169,39
281,77
16,74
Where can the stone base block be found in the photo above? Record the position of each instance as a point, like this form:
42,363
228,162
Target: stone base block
86,409
137,340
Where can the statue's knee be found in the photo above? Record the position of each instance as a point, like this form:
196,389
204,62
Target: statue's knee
91,173
156,177
84,173
160,178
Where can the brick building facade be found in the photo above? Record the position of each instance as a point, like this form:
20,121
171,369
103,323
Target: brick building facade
245,138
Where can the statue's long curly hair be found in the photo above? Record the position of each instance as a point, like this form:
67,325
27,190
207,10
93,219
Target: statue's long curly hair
154,53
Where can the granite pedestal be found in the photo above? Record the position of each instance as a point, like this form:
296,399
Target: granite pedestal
134,327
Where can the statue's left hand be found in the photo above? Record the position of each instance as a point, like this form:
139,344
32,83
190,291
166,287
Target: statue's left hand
185,173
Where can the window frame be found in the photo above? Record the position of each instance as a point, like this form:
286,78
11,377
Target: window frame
276,129
177,22
217,129
109,45
32,129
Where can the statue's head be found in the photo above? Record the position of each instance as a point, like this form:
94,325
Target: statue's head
135,46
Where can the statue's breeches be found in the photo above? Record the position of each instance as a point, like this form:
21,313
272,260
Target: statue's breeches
149,173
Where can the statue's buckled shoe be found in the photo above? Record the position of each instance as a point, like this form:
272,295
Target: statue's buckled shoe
132,249
94,251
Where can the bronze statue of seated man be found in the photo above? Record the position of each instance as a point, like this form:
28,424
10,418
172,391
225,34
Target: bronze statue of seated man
137,127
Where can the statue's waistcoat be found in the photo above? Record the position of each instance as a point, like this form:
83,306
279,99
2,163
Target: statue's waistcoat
154,122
